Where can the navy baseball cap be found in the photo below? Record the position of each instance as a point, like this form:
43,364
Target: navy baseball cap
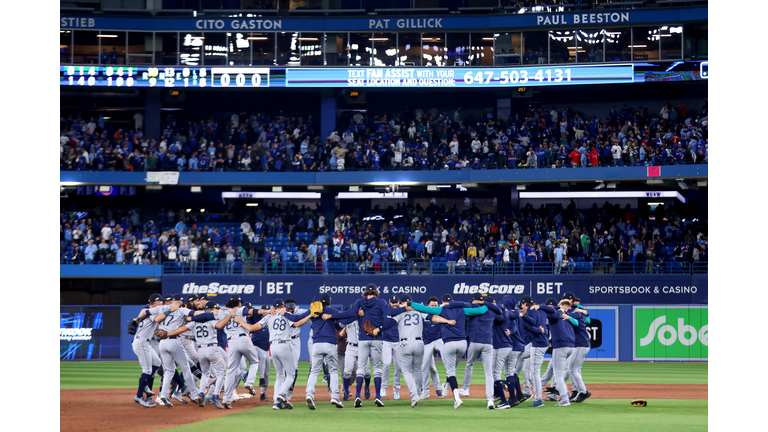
551,301
477,296
168,297
235,298
178,297
211,305
202,297
405,298
278,303
371,286
447,298
155,297
191,298
526,299
490,299
569,296
394,299
325,298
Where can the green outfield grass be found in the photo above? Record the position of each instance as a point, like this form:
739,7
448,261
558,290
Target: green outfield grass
108,374
438,415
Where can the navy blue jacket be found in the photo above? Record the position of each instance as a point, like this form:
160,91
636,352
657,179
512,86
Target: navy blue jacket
390,334
452,333
500,325
480,328
582,336
560,329
431,332
325,331
375,310
259,338
533,319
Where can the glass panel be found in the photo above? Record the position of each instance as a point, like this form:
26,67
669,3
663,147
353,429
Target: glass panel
481,49
86,50
311,47
671,42
359,49
238,49
140,48
408,49
508,49
458,49
114,42
288,49
645,43
617,44
535,47
191,49
166,52
562,46
215,51
263,48
433,49
65,46
590,46
384,49
335,49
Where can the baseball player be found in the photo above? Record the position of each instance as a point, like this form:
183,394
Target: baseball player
238,346
561,325
523,359
324,349
260,340
171,352
203,328
148,359
503,357
518,348
581,348
391,342
550,372
374,312
480,332
290,307
177,380
351,329
279,324
432,343
454,336
188,340
534,322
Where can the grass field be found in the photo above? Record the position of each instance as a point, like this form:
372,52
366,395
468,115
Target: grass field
104,375
437,415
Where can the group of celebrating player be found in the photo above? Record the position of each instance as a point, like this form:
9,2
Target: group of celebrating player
213,343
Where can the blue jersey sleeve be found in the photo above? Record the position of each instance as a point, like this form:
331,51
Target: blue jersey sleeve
207,316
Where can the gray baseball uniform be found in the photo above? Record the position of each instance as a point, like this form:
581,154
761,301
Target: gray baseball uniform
208,354
523,363
171,352
142,344
279,327
410,352
239,347
296,346
485,351
350,355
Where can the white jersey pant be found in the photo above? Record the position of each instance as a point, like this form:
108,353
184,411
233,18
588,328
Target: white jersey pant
147,356
452,353
189,348
264,364
285,371
560,359
534,369
549,374
296,350
486,355
212,364
410,355
388,357
523,361
506,359
574,368
428,366
351,364
369,350
172,355
238,349
328,353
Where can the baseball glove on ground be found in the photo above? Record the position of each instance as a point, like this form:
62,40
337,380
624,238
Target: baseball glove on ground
368,328
316,309
639,403
133,325
161,334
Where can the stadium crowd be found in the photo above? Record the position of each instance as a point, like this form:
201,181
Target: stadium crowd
468,240
430,140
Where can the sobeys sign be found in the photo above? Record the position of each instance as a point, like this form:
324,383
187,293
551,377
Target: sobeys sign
671,333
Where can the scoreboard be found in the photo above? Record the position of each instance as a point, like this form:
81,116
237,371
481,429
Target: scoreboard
374,77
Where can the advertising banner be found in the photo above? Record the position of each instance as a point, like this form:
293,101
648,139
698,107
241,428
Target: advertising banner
670,333
89,333
345,289
603,332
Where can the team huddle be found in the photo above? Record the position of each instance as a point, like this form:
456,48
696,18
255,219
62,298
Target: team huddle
213,344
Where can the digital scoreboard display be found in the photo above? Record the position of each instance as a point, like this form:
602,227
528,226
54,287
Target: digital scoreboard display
377,77
89,333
